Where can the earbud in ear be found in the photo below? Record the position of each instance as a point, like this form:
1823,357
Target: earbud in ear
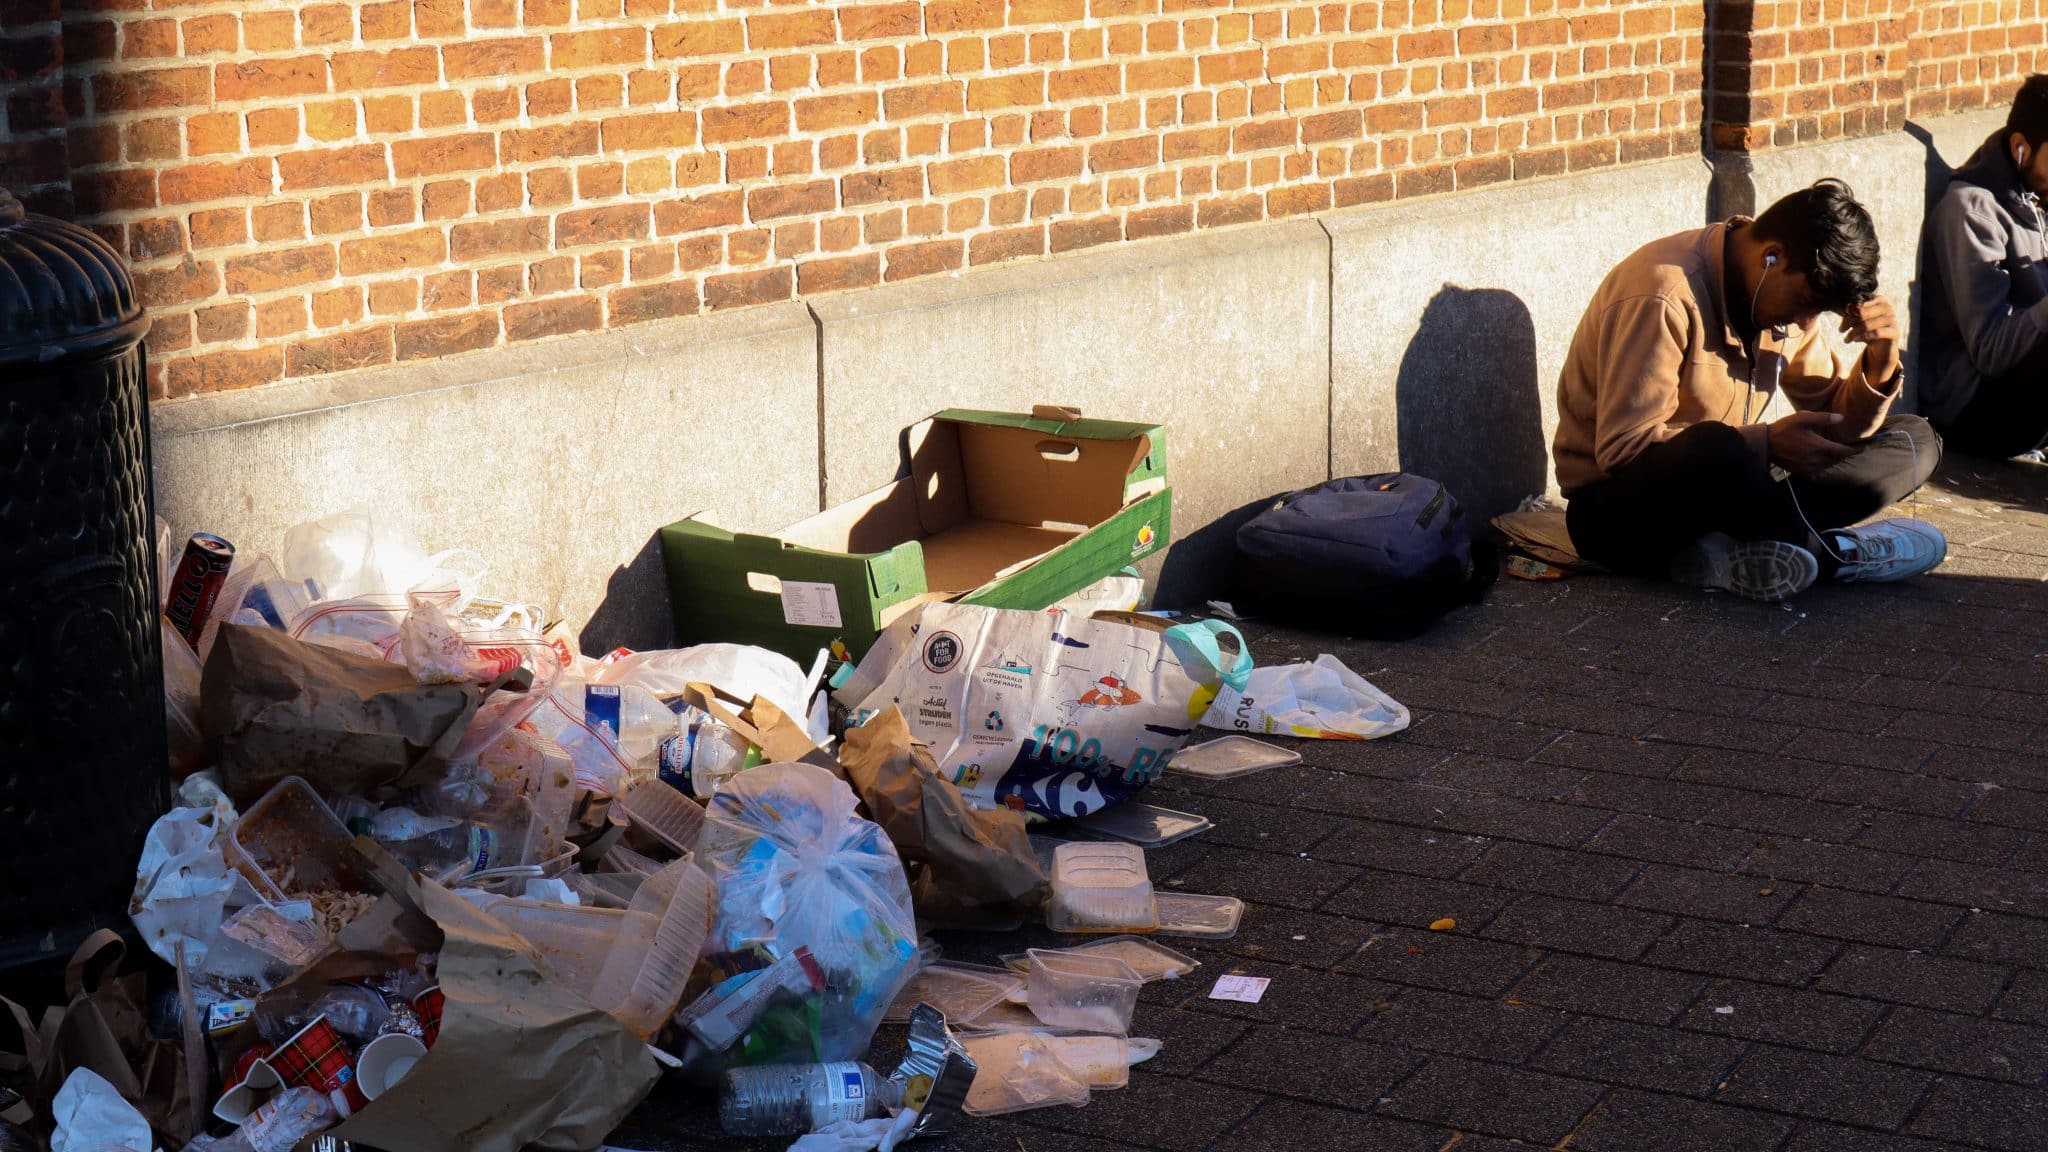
2023,156
1770,260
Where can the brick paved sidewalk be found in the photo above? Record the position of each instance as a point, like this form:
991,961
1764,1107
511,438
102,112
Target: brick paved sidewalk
1726,876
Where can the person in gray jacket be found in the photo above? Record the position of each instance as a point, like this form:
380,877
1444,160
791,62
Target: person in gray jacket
1984,352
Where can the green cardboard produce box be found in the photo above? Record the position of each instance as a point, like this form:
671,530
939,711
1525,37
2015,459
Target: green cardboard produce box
998,508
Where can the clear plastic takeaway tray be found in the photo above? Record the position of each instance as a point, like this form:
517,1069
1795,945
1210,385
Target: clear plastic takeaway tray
1146,825
1149,959
961,991
1230,756
1198,917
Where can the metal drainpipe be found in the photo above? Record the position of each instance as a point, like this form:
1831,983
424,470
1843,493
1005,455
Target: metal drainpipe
1731,188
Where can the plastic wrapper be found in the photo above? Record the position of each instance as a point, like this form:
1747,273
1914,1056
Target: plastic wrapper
182,674
360,552
601,765
1324,700
358,1013
260,946
796,867
255,593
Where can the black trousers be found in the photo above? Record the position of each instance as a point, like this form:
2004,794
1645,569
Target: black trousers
2009,413
1708,479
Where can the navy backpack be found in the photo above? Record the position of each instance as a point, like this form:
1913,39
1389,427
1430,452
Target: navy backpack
1374,556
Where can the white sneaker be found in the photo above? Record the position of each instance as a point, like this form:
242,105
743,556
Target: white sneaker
1888,549
1767,570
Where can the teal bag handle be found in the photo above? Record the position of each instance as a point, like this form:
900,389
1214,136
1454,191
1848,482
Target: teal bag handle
1195,646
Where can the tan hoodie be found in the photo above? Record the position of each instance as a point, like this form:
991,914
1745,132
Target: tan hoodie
1654,355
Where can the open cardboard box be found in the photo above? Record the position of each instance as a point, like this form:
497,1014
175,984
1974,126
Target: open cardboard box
1001,509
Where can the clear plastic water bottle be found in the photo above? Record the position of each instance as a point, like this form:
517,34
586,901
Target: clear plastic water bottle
791,1099
636,718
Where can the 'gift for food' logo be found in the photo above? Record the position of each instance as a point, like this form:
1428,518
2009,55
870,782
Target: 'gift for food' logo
941,652
1144,541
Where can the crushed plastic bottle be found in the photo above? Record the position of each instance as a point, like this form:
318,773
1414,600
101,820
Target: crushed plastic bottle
791,1099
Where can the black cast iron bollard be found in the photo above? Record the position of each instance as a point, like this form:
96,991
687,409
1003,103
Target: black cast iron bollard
82,771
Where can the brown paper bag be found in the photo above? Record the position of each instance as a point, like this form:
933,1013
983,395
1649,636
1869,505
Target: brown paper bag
274,707
780,737
976,864
102,1027
520,1063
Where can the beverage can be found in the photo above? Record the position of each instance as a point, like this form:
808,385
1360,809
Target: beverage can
196,584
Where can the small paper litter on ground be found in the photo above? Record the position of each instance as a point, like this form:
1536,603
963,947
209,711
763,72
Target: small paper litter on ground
1243,989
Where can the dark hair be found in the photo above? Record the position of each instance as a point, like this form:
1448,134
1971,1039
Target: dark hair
1829,238
2029,115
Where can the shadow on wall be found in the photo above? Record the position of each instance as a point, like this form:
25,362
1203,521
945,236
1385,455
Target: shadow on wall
635,610
1469,405
1197,568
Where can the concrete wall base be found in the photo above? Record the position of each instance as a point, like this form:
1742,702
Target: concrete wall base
1424,335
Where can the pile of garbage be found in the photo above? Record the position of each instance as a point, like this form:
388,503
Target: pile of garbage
437,880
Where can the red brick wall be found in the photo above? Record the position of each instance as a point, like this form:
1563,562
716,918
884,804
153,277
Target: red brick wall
33,163
1803,71
308,186
1969,54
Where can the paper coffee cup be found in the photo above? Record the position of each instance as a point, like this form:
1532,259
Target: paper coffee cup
385,1061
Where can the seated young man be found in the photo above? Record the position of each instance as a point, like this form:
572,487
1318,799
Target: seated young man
1984,351
1659,446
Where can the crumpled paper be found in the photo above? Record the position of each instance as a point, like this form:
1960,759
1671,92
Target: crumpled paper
92,1117
1323,701
182,882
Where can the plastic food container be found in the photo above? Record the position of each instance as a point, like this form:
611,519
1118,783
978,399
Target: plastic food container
1086,993
1146,825
1199,917
1101,887
1016,1071
664,813
680,895
1230,756
1150,960
962,991
290,840
1102,1062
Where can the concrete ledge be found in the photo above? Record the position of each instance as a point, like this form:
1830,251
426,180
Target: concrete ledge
1450,318
1220,337
1426,335
1953,138
557,462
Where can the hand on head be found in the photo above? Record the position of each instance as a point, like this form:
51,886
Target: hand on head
1874,325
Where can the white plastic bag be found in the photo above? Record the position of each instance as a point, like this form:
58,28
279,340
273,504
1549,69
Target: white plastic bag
740,671
795,867
1324,701
183,882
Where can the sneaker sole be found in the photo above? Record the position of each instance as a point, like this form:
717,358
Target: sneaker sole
1765,570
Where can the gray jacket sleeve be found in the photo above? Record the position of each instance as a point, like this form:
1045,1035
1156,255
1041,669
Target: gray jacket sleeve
1970,241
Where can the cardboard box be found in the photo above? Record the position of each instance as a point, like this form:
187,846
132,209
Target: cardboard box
1001,509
